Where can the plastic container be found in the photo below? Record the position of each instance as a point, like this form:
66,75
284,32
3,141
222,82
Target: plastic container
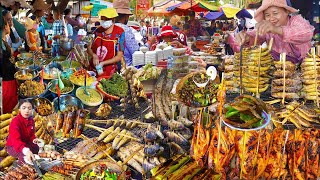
180,65
180,59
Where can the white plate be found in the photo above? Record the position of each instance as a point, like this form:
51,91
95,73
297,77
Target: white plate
212,72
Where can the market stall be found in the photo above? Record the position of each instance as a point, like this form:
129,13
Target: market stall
251,117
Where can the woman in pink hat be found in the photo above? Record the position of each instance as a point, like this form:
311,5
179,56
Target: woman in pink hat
292,34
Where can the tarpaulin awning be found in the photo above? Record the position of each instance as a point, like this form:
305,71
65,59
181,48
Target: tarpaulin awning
195,5
160,9
243,13
213,15
229,10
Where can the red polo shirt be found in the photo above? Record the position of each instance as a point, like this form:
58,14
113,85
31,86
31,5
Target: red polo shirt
21,132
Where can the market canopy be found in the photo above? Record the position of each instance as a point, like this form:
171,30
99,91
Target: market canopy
160,9
243,13
195,5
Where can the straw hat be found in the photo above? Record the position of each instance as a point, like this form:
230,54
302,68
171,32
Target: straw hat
259,16
40,5
122,6
29,23
167,31
108,12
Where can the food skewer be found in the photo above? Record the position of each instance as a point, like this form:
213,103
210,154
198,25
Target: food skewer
259,65
313,52
256,39
103,129
283,59
270,44
105,151
105,121
221,99
241,56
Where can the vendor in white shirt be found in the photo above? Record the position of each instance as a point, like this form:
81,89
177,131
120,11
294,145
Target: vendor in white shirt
13,38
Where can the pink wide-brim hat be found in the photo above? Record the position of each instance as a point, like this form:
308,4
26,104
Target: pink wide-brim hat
259,16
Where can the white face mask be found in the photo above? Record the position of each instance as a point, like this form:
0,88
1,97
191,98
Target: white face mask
106,24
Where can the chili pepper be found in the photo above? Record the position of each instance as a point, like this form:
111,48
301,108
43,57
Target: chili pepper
259,123
245,117
231,111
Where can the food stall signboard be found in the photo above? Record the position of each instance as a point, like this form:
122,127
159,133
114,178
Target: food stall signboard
143,5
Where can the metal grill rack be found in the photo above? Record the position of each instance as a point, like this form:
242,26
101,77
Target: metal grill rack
130,113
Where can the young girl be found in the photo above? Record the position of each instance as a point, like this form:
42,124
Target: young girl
22,140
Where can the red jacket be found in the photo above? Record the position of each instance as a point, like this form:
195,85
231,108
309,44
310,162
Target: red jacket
21,132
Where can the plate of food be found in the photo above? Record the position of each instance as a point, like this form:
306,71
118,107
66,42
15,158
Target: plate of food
93,98
112,87
25,74
197,90
51,71
67,103
101,169
31,88
77,78
42,61
43,106
68,86
246,113
74,64
25,56
23,64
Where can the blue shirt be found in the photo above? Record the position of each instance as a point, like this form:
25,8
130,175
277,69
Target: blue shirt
131,45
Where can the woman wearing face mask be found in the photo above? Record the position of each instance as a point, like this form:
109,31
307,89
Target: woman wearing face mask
21,142
292,34
32,35
108,45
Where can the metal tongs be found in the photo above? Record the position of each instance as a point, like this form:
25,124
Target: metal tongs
36,166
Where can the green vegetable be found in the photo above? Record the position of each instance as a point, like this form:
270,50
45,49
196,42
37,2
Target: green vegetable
197,95
258,124
231,111
247,100
245,117
116,85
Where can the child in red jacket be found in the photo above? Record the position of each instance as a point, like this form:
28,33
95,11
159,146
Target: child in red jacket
21,140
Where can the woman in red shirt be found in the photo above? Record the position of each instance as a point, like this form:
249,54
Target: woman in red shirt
21,140
108,45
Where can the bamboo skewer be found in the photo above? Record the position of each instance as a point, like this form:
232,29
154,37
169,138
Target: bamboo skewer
256,154
108,120
243,153
270,44
283,59
283,151
105,151
313,52
103,129
259,65
256,39
241,61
